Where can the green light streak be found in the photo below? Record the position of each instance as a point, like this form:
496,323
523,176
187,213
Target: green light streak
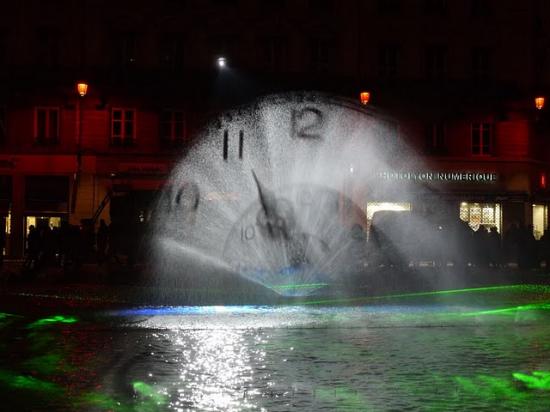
537,380
45,364
52,320
511,310
504,288
28,382
490,388
149,392
300,286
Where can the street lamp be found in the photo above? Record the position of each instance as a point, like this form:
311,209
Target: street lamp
221,62
364,97
82,88
539,102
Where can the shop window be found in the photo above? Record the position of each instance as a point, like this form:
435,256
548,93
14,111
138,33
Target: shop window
123,127
388,61
481,138
540,220
46,125
373,207
477,215
172,126
39,222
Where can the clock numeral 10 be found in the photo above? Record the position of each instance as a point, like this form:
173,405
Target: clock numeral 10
248,233
306,123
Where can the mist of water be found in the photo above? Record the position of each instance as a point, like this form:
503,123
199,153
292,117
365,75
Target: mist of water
271,192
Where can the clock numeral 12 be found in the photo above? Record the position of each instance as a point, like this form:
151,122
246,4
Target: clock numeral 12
306,123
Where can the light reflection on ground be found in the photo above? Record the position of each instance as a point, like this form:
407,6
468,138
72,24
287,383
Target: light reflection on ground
450,352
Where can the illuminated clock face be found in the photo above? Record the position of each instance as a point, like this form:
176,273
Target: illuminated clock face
267,191
293,242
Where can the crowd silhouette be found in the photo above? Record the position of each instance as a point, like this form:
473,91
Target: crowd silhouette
393,240
405,239
70,246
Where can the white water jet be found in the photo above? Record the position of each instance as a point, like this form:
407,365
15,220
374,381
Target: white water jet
273,190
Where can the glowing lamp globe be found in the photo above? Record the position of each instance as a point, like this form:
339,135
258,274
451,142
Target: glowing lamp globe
539,102
364,97
82,89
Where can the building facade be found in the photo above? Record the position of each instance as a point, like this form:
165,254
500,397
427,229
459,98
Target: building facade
459,77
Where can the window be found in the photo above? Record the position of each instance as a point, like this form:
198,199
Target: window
3,48
436,62
3,126
172,51
321,6
481,63
46,125
481,8
435,7
123,126
172,126
389,7
319,54
268,6
171,6
435,138
125,49
224,3
47,48
388,61
481,138
273,52
481,214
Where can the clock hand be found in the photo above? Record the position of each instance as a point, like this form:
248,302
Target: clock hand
269,206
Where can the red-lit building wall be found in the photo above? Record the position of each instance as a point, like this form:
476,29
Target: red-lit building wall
339,49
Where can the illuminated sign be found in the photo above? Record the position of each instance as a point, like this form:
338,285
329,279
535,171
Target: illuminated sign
482,177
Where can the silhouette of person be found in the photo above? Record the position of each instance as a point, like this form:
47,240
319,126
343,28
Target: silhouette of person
102,240
544,248
494,247
2,244
33,248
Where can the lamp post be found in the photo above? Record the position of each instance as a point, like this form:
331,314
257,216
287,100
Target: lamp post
82,90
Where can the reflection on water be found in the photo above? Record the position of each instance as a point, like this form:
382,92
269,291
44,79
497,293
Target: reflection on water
420,356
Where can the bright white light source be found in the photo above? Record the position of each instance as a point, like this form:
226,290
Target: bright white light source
222,62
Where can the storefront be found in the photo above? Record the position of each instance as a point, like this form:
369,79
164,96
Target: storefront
482,198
